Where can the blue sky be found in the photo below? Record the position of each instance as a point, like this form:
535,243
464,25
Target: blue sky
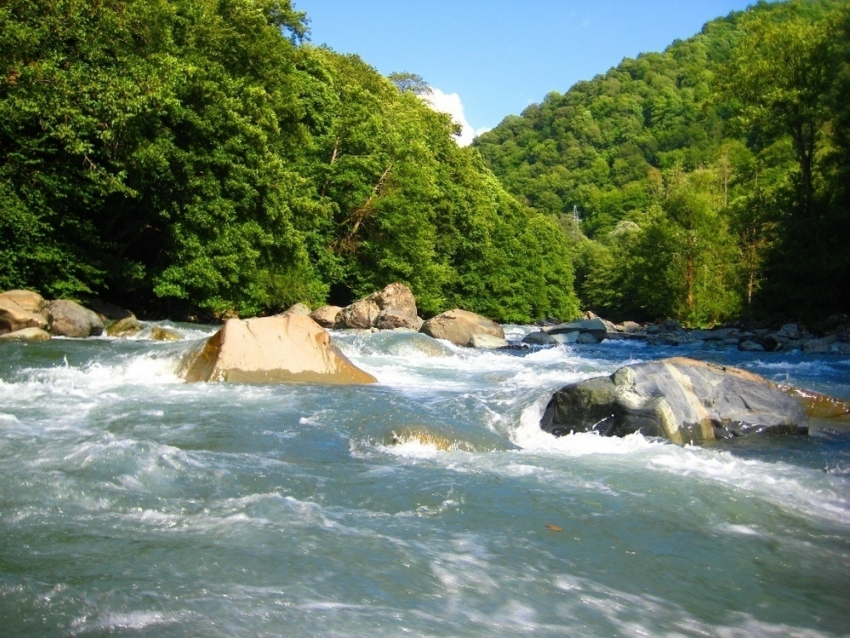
499,56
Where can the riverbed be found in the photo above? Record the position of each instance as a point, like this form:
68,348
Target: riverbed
429,504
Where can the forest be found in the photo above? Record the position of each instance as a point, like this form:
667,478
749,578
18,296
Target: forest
203,158
709,182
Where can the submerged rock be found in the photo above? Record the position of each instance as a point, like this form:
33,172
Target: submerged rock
539,338
158,333
684,400
123,327
279,349
460,326
27,334
486,342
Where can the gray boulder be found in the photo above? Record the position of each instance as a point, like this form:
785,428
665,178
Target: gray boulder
395,319
459,326
70,319
595,327
749,345
539,338
789,331
566,337
683,400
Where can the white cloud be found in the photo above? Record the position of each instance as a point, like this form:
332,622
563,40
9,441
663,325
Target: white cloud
450,103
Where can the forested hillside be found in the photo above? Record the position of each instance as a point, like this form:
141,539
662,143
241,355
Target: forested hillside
711,179
199,154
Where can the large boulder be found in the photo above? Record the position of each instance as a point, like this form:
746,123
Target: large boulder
680,399
595,327
21,309
326,315
279,349
396,297
459,326
361,314
70,319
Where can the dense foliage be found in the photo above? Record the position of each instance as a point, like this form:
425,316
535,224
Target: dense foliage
711,179
199,154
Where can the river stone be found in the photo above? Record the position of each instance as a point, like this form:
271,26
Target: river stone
683,400
395,319
27,334
396,297
279,349
326,315
486,342
298,309
586,338
789,331
125,327
20,309
539,338
595,327
158,333
361,314
70,319
566,337
750,346
459,326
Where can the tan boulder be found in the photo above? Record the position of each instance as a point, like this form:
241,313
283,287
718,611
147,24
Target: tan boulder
158,333
27,334
20,309
25,299
361,314
326,315
279,349
396,297
460,326
125,327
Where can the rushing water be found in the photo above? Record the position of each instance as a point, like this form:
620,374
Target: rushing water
430,504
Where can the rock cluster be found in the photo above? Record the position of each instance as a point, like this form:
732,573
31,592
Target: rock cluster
683,400
389,309
831,337
25,315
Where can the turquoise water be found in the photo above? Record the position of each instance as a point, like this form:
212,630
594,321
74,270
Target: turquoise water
132,504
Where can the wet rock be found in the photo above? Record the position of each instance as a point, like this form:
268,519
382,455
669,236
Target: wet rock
361,314
789,331
630,327
326,316
819,346
70,319
395,320
750,346
126,327
158,333
595,327
26,334
539,338
459,326
679,399
487,342
587,339
566,337
279,349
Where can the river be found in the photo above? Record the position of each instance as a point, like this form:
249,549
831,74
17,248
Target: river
429,504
